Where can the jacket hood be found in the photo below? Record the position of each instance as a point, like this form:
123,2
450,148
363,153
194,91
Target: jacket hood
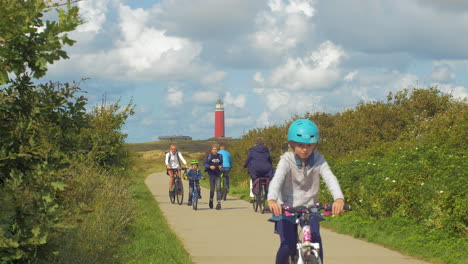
260,148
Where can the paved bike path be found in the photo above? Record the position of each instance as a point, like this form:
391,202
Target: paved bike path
236,234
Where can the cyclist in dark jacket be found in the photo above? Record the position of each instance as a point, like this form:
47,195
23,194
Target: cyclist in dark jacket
259,163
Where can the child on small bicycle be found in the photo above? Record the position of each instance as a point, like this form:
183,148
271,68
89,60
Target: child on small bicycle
297,182
194,174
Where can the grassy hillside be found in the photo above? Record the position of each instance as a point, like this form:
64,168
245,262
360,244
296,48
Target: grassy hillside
401,164
192,146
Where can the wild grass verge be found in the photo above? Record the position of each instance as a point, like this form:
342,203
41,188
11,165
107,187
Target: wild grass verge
152,239
405,236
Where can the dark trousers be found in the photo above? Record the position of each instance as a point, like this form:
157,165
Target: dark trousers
215,182
288,237
225,172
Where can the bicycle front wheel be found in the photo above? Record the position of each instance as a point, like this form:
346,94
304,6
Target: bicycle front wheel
180,192
195,200
310,258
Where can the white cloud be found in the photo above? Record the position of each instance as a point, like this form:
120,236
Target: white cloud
276,98
258,78
442,74
204,97
264,120
292,7
350,76
238,101
458,92
174,96
318,71
213,78
283,27
94,15
300,6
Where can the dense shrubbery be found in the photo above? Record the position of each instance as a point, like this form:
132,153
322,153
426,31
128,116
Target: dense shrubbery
63,171
401,157
58,164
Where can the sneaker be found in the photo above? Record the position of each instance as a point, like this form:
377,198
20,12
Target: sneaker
218,206
189,203
211,204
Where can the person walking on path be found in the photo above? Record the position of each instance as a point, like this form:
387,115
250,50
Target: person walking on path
227,164
258,163
297,183
173,163
213,164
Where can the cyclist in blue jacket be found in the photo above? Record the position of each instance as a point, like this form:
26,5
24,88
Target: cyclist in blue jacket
227,164
194,174
213,164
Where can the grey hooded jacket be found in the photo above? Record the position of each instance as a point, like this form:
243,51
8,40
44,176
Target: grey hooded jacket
297,184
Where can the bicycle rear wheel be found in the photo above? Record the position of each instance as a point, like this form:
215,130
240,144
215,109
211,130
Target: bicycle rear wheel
255,203
260,200
264,200
180,192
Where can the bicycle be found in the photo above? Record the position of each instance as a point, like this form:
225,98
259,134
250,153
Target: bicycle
223,187
178,188
307,252
195,192
260,199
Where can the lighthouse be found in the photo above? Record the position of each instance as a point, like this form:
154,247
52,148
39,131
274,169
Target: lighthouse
219,119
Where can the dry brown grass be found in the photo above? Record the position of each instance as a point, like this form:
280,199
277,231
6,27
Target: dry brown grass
153,160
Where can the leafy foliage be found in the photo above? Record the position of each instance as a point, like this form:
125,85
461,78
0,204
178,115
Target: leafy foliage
399,157
27,42
45,138
63,171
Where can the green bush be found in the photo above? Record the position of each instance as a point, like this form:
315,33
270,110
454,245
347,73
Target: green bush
400,157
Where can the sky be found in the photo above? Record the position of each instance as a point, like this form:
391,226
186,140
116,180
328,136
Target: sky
267,60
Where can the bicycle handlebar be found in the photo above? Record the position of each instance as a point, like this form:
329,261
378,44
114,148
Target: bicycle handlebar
314,208
190,178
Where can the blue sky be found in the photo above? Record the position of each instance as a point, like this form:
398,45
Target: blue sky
266,59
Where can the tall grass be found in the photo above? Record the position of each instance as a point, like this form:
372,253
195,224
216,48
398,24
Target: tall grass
152,240
97,226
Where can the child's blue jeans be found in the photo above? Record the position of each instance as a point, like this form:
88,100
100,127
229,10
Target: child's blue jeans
191,184
288,237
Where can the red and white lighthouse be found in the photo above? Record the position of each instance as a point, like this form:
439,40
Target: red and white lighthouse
219,119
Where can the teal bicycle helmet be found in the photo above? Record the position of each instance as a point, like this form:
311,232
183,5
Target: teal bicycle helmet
303,131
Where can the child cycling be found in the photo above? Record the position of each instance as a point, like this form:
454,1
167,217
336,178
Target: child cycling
173,158
194,174
213,164
297,182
